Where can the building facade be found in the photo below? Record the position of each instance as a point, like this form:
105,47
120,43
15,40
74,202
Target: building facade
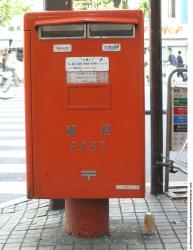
174,29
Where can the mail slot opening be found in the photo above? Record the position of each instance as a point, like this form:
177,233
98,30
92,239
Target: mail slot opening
62,31
111,30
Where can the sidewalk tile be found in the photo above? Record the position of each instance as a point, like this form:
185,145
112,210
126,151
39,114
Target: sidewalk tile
10,241
29,248
13,246
154,246
63,247
184,245
118,246
83,247
47,248
102,246
172,245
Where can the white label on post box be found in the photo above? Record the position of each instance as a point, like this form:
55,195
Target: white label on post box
62,48
111,47
87,64
127,187
87,77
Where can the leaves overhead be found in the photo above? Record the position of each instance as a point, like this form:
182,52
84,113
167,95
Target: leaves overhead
145,6
100,4
8,8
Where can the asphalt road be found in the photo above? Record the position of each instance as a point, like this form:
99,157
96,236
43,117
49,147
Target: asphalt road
12,147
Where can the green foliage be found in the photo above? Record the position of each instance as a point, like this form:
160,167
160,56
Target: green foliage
98,4
20,7
8,8
5,11
125,5
109,4
145,6
82,4
105,4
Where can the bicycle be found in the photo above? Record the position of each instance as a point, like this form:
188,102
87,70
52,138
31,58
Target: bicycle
7,85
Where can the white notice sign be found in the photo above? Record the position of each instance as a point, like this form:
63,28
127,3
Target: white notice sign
87,64
127,187
111,47
62,48
87,77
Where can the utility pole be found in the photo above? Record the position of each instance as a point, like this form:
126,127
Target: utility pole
156,98
58,4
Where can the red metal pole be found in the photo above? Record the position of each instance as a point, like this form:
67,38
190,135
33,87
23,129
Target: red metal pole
87,217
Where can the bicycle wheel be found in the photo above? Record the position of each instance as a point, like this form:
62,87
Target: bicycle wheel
7,91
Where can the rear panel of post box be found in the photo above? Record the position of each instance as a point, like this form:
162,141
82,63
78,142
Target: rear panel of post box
84,95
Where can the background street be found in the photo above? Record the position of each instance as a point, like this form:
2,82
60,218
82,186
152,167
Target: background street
12,147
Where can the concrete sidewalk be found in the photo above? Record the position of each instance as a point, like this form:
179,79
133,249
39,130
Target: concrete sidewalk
30,224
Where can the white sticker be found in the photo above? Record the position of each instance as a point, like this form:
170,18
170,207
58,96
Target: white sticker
178,139
179,117
87,64
87,77
180,92
62,48
111,47
127,187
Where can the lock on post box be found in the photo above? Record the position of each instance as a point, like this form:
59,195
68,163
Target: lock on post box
84,97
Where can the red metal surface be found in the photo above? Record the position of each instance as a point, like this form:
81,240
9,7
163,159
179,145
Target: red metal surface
87,217
52,17
87,20
28,120
54,159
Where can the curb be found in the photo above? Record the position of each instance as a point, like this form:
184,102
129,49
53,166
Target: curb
13,202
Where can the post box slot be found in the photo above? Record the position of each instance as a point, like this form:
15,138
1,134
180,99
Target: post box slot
103,30
95,30
62,31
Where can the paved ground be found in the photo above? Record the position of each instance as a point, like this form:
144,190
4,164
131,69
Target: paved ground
31,225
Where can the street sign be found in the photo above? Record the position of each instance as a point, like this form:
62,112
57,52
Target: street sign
179,117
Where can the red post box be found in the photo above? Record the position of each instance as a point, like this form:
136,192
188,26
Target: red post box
84,95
